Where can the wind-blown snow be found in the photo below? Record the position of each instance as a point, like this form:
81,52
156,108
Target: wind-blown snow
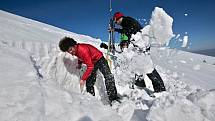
178,35
161,27
40,83
185,41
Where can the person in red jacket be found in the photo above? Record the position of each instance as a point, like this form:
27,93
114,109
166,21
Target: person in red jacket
94,60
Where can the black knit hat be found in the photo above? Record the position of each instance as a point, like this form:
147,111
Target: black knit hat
66,43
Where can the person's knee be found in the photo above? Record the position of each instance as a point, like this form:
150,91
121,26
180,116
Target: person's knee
109,77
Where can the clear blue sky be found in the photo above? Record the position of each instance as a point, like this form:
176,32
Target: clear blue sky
90,17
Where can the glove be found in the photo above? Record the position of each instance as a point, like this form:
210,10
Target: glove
103,45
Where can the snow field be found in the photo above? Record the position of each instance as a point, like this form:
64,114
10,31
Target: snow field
41,83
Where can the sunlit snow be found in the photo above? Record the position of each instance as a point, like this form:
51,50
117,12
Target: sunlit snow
40,83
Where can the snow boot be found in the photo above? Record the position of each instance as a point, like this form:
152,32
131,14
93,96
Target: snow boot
114,99
157,81
139,81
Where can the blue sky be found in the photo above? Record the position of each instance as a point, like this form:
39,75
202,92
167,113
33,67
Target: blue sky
90,17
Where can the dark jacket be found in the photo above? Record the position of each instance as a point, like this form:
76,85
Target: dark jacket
129,26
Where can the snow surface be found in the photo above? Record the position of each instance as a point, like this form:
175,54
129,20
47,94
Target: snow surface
40,83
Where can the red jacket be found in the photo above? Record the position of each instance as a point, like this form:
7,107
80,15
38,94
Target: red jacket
88,55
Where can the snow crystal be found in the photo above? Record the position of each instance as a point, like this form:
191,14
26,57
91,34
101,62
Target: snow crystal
180,40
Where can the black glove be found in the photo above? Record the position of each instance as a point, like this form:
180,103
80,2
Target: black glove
103,45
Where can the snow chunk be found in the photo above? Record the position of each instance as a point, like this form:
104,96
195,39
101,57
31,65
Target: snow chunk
182,61
161,26
178,35
158,32
205,100
142,39
184,110
185,41
196,67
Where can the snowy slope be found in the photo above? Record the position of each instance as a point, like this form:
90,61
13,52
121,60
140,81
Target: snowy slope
27,97
187,67
26,94
39,83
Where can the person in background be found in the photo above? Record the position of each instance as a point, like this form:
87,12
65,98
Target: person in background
131,26
128,25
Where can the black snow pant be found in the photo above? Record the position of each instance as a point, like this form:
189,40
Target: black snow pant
102,65
157,81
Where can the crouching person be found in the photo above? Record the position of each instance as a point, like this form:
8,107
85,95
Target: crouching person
94,60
